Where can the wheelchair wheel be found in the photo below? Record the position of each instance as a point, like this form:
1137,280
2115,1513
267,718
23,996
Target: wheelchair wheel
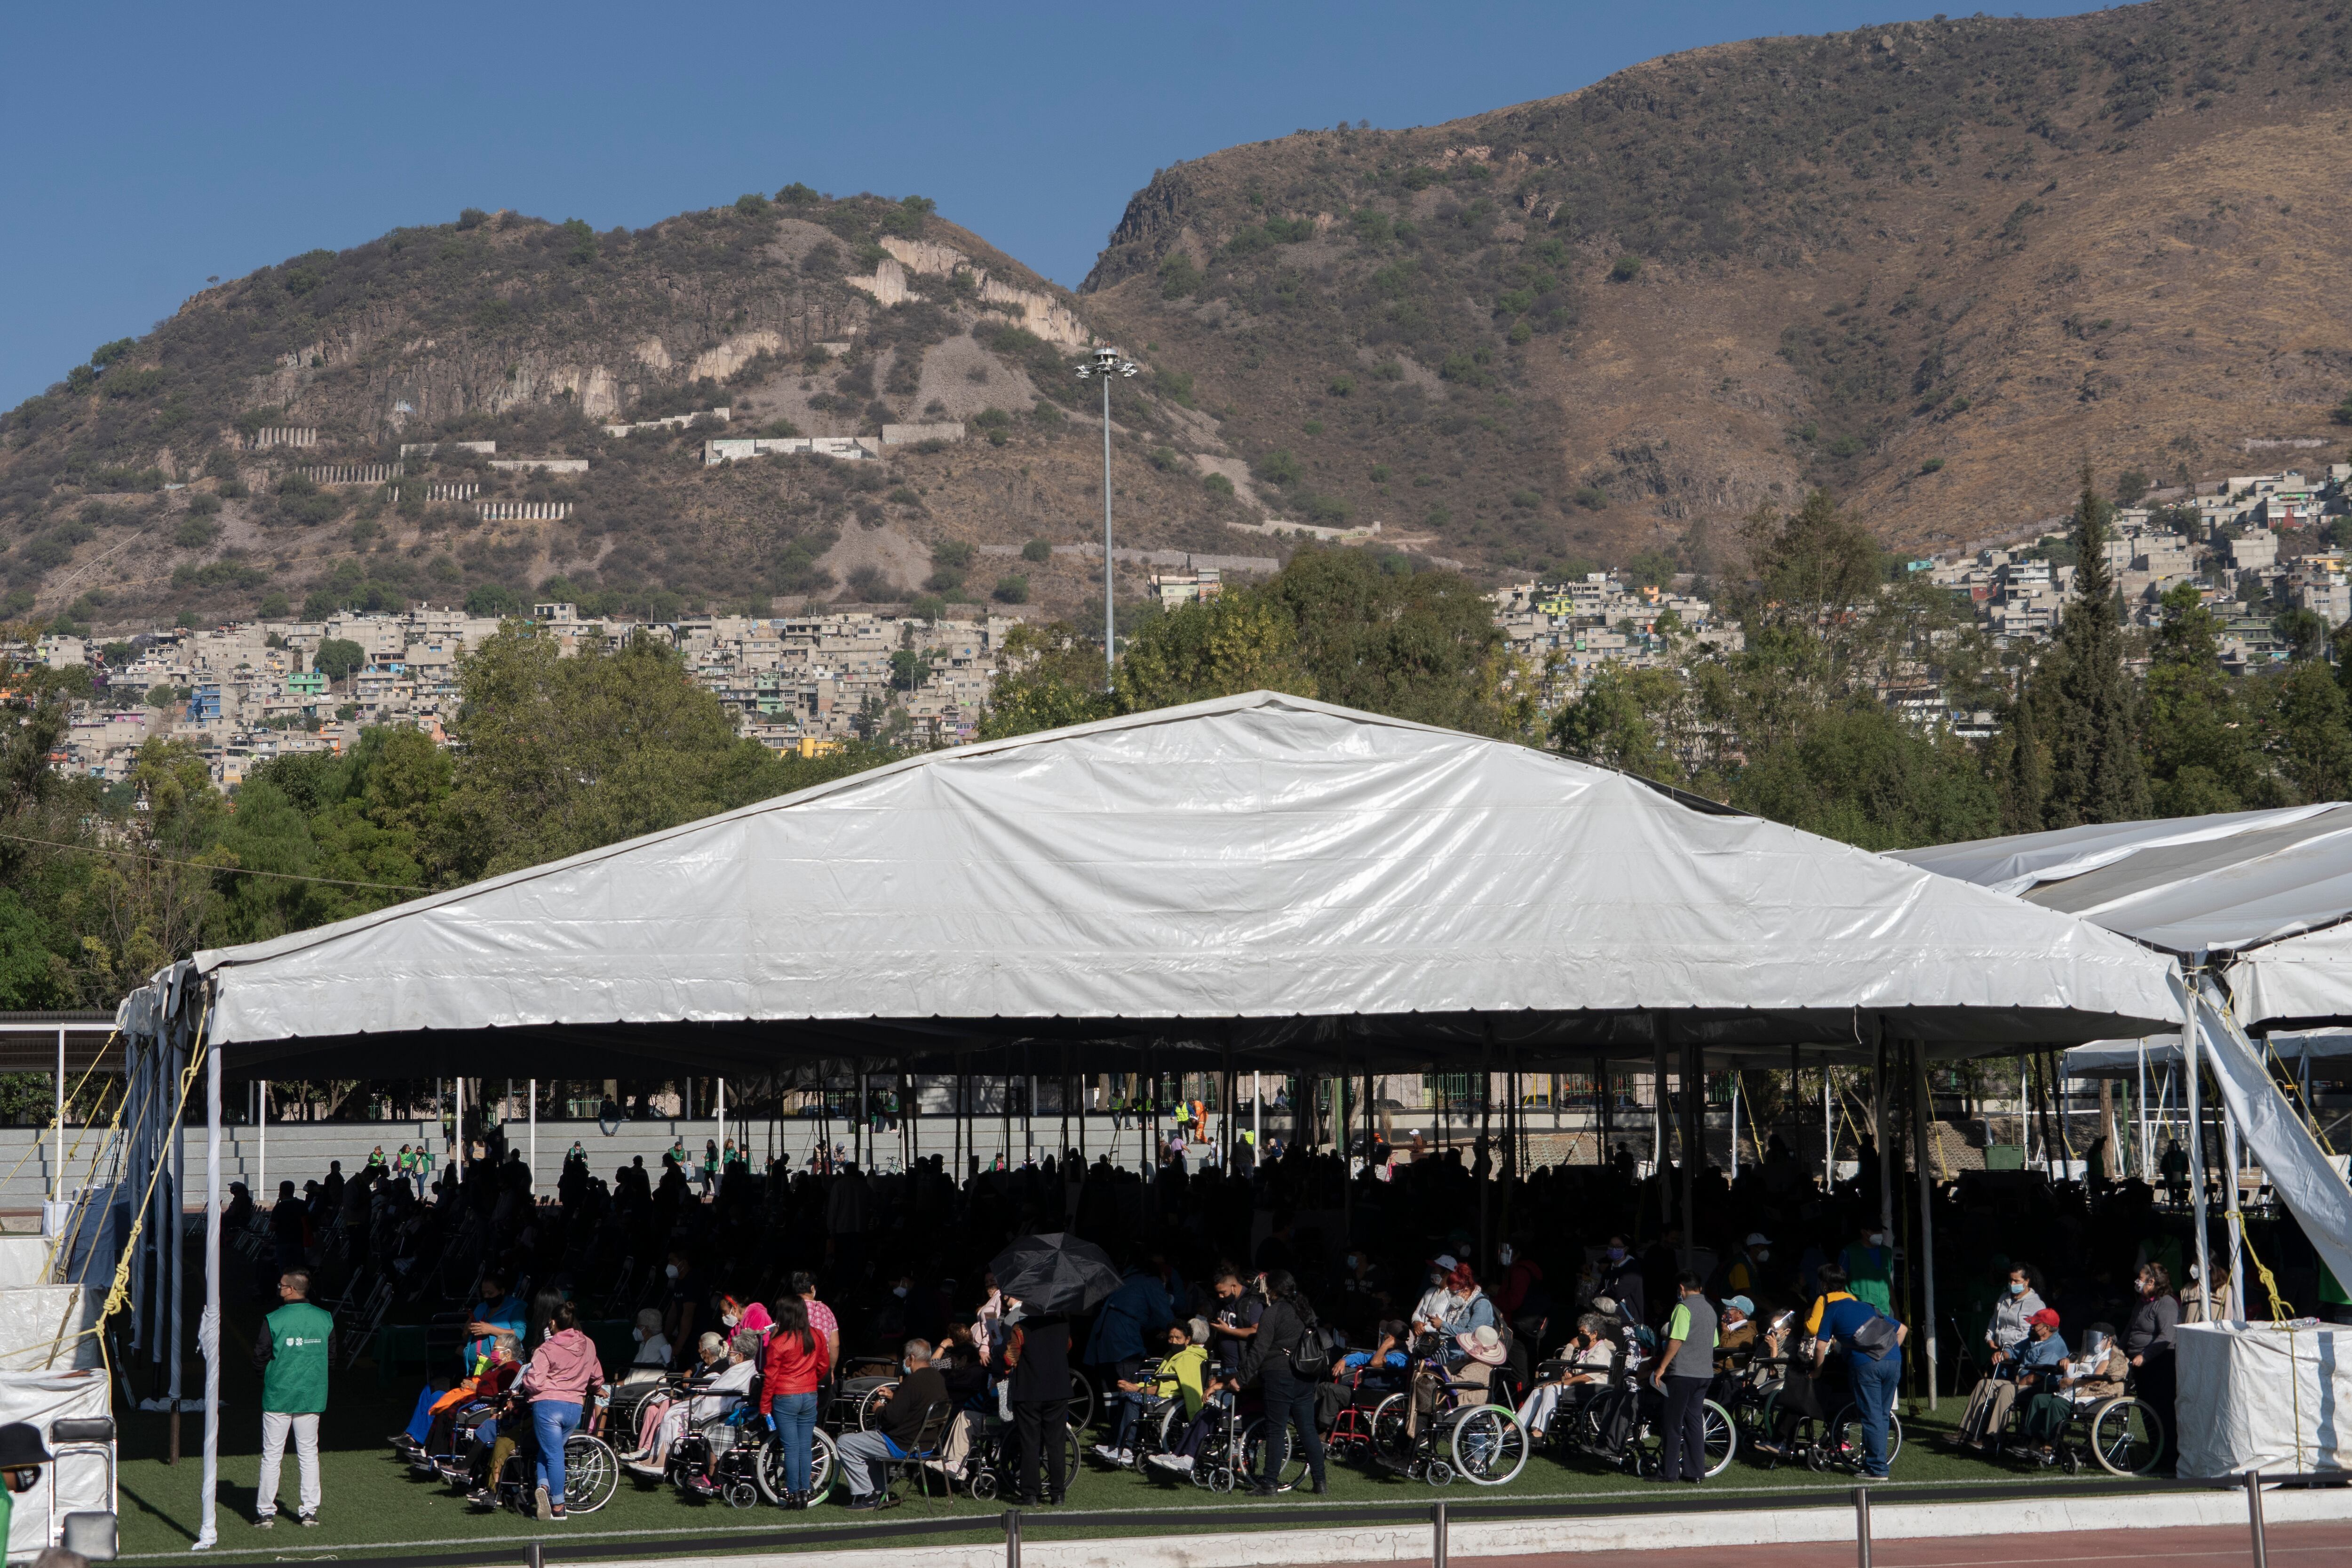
2127,1436
1490,1447
1221,1478
869,1405
1843,1438
741,1494
1159,1432
982,1486
591,1473
1722,1439
768,1468
1388,1426
1082,1401
1438,1474
1254,1445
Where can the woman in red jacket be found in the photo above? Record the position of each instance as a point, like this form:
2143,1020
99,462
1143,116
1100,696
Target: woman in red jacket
795,1363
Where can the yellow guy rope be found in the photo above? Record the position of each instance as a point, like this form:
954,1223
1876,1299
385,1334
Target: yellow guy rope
117,1294
52,1125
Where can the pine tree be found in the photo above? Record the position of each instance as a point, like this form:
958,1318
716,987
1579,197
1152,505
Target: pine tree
2026,780
2096,774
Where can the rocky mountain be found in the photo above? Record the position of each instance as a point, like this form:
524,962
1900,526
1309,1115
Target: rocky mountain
1934,265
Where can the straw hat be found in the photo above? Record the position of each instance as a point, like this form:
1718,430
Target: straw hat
1482,1344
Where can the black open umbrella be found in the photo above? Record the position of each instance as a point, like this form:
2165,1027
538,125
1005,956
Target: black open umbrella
1056,1273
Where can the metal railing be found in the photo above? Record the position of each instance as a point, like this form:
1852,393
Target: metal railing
1439,1517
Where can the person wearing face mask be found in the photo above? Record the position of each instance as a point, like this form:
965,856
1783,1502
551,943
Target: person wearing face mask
1868,1264
22,1455
1620,1281
1590,1364
1437,1297
2149,1335
497,1311
2006,1333
653,1350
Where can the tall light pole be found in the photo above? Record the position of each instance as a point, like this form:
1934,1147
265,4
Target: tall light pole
1105,365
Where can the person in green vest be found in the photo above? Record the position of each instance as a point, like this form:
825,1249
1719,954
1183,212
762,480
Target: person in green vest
1869,1263
22,1455
291,1356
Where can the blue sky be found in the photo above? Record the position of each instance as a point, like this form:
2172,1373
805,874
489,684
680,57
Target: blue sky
153,146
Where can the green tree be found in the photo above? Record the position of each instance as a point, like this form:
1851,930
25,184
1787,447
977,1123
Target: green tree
1627,717
1239,642
559,755
2095,774
1860,773
2202,744
338,658
2313,732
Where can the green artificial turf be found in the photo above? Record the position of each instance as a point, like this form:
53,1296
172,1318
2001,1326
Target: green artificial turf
373,1503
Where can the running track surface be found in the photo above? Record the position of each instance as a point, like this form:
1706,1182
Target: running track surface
2318,1544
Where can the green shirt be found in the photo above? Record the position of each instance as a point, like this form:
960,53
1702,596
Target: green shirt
295,1381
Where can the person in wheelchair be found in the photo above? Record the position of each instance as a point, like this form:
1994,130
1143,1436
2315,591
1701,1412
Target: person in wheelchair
1584,1367
2076,1384
711,1360
431,1436
710,1396
1382,1367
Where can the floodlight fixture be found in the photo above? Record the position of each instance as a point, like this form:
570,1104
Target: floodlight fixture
1102,365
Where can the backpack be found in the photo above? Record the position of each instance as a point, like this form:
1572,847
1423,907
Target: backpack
1876,1337
1312,1356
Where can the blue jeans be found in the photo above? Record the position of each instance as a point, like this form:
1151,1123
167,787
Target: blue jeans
795,1417
420,1424
551,1421
1874,1385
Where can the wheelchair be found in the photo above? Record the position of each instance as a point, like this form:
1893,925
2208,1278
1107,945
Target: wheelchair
1623,1425
993,1465
2121,1434
1482,1444
591,1470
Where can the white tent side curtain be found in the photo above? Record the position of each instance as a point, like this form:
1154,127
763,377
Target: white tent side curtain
1263,873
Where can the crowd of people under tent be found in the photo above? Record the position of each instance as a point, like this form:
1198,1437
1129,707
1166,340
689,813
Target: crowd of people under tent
752,1289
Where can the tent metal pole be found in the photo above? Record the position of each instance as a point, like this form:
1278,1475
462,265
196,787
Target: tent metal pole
58,1164
1486,1140
208,1334
2139,1103
1658,1127
2196,1140
722,1128
1735,1124
1257,1119
1694,1091
168,1234
1883,1092
262,1191
1829,1135
1601,1096
532,1088
1921,1122
458,1128
2237,1219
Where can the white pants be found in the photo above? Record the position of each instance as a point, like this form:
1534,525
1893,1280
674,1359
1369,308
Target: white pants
274,1426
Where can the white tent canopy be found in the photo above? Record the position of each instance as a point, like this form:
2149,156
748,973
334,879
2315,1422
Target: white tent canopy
2123,1058
1276,879
1272,874
2267,893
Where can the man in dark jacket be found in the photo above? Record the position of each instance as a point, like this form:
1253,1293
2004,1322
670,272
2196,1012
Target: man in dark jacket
1272,1359
1040,1354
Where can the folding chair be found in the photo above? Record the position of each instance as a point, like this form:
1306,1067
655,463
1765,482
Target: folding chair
930,1442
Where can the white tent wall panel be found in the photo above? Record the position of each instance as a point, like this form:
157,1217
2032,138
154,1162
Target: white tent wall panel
2264,1396
84,1481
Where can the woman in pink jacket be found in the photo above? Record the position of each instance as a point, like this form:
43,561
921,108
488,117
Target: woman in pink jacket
563,1372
